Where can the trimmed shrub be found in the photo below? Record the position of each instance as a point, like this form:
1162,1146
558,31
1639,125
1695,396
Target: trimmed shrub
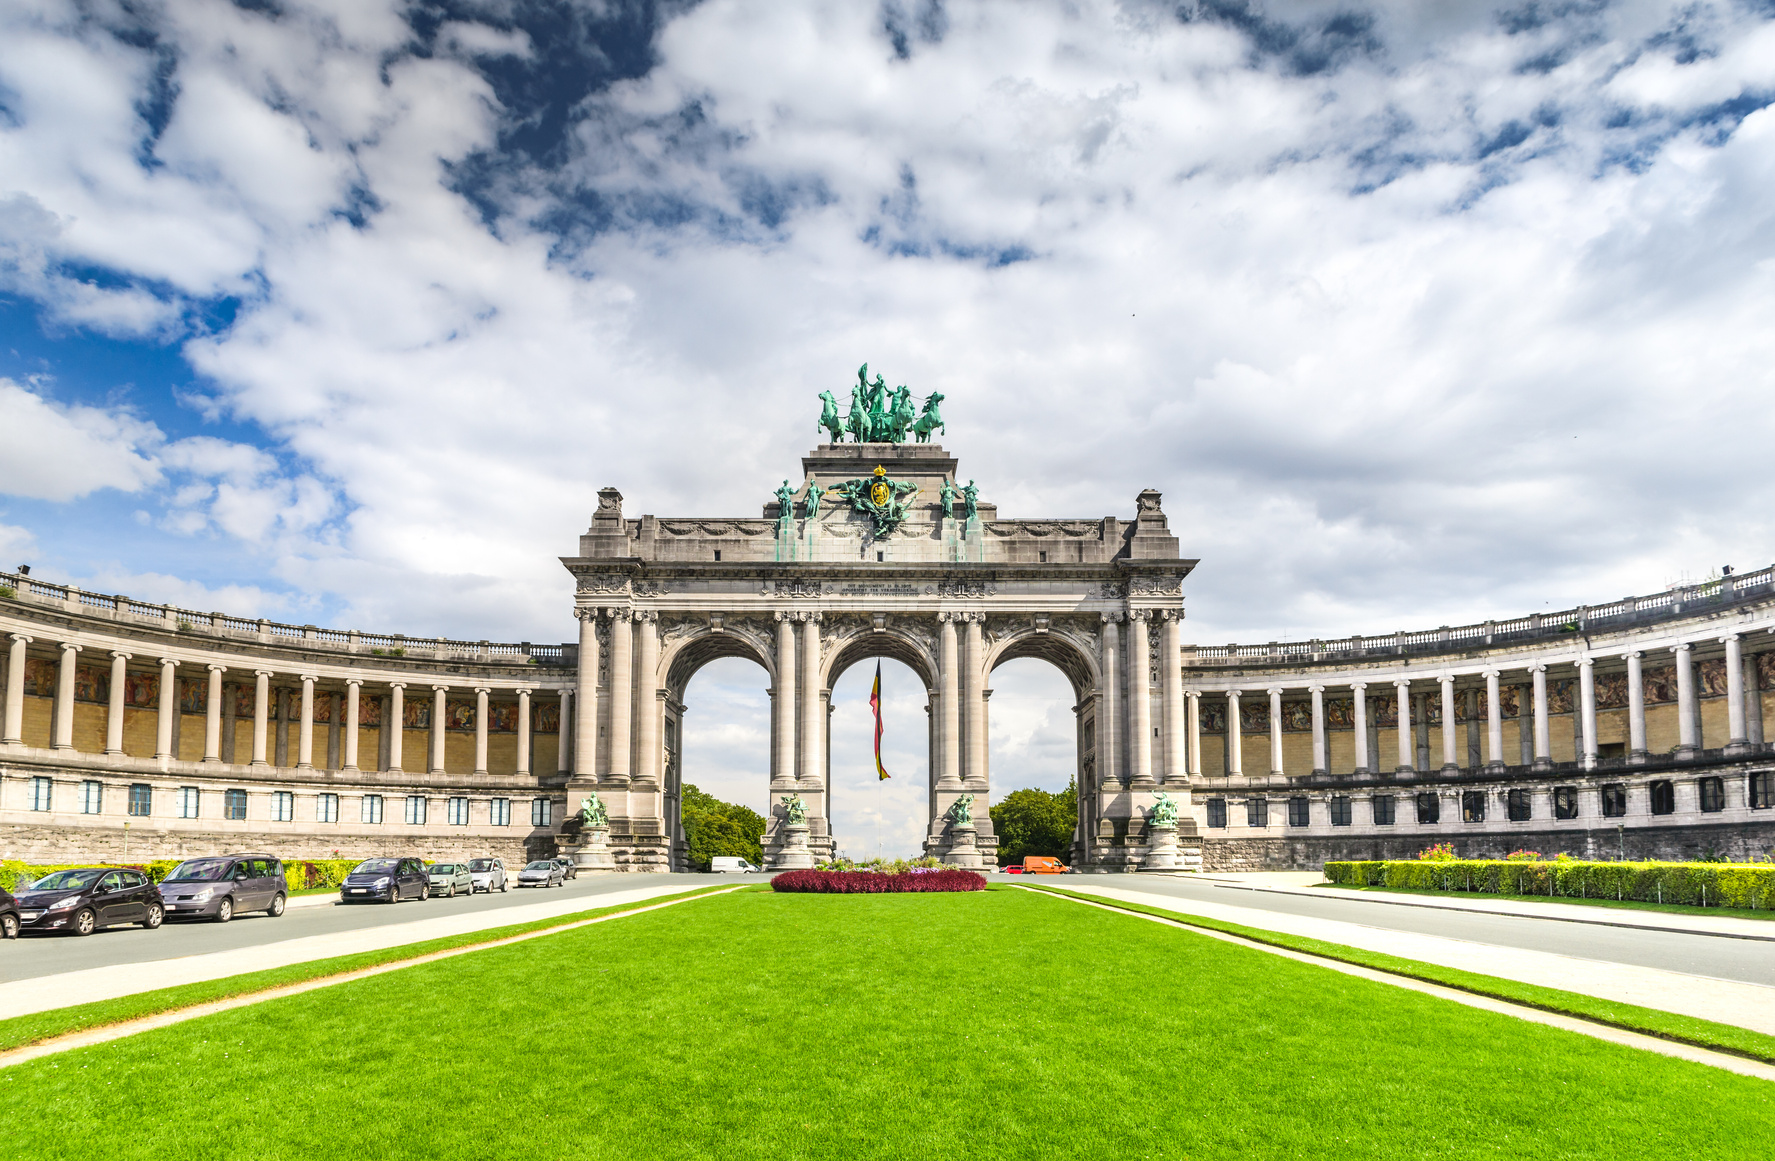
1740,885
875,883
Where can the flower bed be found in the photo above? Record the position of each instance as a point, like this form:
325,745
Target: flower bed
1744,885
874,882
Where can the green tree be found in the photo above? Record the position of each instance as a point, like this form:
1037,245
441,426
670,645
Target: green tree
1034,822
713,827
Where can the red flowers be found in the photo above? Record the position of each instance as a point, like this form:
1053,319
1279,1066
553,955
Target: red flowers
873,882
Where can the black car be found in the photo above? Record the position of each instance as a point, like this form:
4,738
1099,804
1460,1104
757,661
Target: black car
219,887
8,915
389,880
82,900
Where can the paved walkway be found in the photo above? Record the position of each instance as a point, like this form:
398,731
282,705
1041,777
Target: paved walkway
22,997
1745,1005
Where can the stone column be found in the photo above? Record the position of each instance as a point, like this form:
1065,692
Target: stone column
974,703
1275,693
1402,718
782,703
1587,712
1543,740
1359,714
348,737
1235,760
1140,701
1689,741
622,693
114,711
1753,702
1171,696
1494,723
1109,704
212,718
439,706
813,712
261,714
1320,762
1636,709
647,700
567,741
481,693
397,724
1193,709
524,731
64,697
582,759
15,691
949,704
305,726
1738,739
169,710
1449,753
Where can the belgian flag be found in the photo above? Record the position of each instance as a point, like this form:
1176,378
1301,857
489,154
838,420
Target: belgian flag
875,704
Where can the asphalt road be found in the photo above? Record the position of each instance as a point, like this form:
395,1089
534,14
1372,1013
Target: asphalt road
1745,960
31,955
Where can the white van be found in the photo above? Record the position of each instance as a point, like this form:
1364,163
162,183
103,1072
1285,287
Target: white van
722,865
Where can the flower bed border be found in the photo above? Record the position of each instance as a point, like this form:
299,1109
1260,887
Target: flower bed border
1750,886
877,883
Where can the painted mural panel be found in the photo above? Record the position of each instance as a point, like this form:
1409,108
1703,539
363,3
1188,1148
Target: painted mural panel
194,695
1660,684
369,711
1766,670
92,683
546,717
245,698
1213,716
1611,691
416,715
1386,709
141,690
39,677
1254,715
502,717
1560,695
1297,716
323,708
1712,675
1340,713
459,716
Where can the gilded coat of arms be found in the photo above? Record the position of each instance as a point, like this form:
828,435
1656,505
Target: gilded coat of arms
884,500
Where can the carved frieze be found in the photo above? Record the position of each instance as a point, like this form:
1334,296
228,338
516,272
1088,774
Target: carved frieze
1141,586
798,589
603,582
963,589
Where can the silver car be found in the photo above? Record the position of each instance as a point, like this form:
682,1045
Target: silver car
448,878
541,873
489,875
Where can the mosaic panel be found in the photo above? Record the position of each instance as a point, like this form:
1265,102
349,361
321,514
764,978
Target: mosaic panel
1297,716
545,717
369,711
1340,713
1660,684
1254,715
1213,716
502,717
416,714
194,695
91,683
1766,670
1711,677
459,716
39,677
141,690
244,698
1611,691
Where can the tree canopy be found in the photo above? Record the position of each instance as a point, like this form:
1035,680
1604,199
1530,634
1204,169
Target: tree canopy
713,827
1035,822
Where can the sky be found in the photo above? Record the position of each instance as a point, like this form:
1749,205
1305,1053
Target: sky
1418,314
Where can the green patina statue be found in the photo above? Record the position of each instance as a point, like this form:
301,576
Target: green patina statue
794,810
947,495
815,494
785,503
961,813
880,414
829,419
885,501
592,812
1164,811
970,498
931,420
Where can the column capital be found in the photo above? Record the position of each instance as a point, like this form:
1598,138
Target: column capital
1274,691
397,685
1682,648
1233,693
263,673
646,616
354,682
1585,662
118,654
1402,682
1632,654
524,690
173,661
215,667
586,614
68,647
307,678
1490,673
25,637
1140,614
1728,638
785,615
619,614
1358,685
440,689
1315,689
483,689
1538,667
1192,693
1111,618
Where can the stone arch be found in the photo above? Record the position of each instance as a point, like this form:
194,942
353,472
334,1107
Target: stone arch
896,641
681,658
1064,654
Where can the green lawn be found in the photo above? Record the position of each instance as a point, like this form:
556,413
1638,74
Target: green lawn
754,1025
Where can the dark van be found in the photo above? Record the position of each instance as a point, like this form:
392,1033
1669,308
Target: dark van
219,887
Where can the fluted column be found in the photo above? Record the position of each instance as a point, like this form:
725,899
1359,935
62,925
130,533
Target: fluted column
1140,700
1543,739
1494,723
1738,739
439,707
114,711
647,700
212,718
1109,705
1171,696
168,709
582,759
397,725
1402,719
348,729
1319,760
1688,740
782,702
1193,701
481,693
974,703
64,697
523,763
1235,741
1449,761
15,691
622,692
1359,711
949,704
567,741
1636,709
261,715
1275,693
305,726
813,710
1587,712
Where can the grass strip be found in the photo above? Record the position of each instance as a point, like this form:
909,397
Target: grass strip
1650,1021
20,1031
1623,904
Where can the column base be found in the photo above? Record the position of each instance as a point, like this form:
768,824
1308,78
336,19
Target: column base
1734,748
1687,753
263,762
1320,772
1638,757
1405,770
299,765
349,769
437,770
70,746
1146,784
206,760
1494,767
354,768
1450,768
1543,764
962,852
114,753
394,770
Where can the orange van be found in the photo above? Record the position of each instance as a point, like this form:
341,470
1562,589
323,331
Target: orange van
1043,865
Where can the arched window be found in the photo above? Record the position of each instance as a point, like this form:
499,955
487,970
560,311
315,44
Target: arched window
1663,798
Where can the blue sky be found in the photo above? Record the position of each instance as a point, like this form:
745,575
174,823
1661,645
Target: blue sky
1417,313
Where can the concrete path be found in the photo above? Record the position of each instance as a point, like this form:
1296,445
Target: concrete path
61,990
1746,1005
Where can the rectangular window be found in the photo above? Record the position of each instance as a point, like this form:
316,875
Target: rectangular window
141,799
414,813
1472,806
1383,810
189,798
1614,800
541,812
1663,798
41,793
1429,808
1565,802
371,809
499,812
1521,806
1713,795
1298,811
1217,812
1340,810
458,812
326,808
234,805
1257,812
92,797
283,806
1762,790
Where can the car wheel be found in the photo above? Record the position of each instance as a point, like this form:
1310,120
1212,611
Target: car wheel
9,926
425,892
394,893
225,910
86,922
276,908
503,887
156,916
452,892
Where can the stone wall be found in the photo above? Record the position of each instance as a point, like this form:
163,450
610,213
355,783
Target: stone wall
1738,842
49,844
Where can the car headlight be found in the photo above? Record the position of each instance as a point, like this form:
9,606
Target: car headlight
63,904
204,895
383,881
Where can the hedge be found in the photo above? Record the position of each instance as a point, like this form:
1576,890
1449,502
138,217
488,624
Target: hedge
1744,885
300,874
874,883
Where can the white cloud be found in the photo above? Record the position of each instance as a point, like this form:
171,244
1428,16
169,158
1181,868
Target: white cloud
62,452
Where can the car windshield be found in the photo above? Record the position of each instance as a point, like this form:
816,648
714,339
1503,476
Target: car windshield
66,881
370,866
443,868
541,865
198,869
481,865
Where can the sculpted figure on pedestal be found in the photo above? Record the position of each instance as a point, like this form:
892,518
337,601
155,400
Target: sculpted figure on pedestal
592,811
794,810
947,495
961,813
1164,811
970,496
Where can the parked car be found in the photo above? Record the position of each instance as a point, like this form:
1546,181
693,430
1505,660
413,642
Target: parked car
724,865
447,879
541,873
8,915
1043,865
1012,868
488,875
389,880
568,869
82,900
219,887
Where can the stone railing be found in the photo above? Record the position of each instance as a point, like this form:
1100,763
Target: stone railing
127,610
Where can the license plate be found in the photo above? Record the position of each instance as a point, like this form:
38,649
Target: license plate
358,891
30,915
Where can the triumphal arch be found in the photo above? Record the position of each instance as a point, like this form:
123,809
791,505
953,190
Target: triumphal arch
880,547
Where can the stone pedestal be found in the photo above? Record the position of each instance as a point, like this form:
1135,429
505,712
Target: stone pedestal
1161,848
593,853
793,854
962,851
